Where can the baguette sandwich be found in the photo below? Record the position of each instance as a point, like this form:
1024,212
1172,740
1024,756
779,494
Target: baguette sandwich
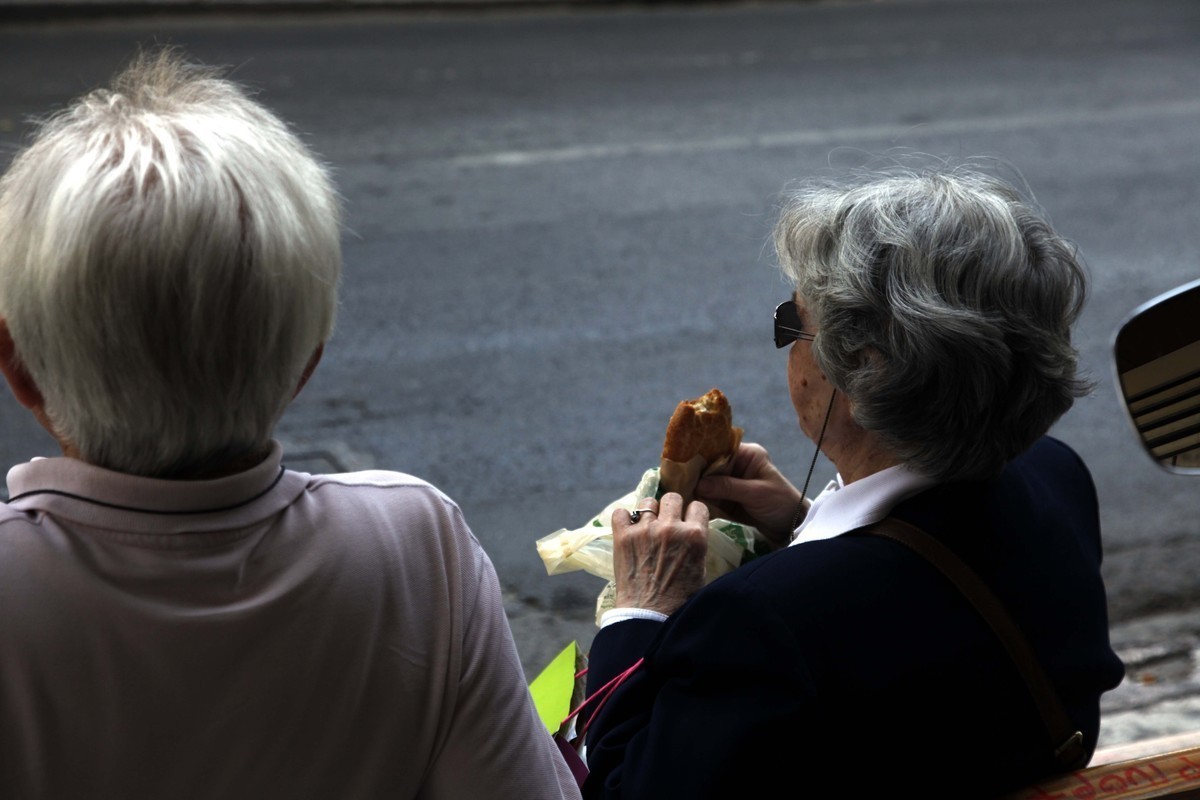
701,440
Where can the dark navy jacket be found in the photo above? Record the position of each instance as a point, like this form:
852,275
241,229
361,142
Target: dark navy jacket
850,667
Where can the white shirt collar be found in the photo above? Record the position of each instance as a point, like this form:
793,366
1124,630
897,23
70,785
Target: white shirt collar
842,507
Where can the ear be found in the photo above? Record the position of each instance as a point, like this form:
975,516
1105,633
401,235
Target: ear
309,368
19,380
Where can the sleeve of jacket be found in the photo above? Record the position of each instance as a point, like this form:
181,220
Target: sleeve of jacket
715,697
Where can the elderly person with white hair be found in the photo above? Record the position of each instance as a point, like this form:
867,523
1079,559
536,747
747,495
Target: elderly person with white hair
930,352
181,616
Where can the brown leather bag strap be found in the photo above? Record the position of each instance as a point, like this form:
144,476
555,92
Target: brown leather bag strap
1065,737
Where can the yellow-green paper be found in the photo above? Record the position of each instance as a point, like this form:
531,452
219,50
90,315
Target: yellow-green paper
552,689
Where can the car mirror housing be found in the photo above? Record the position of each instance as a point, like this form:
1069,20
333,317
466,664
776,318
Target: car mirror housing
1156,357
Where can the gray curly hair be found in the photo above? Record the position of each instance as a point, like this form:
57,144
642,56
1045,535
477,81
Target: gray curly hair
943,302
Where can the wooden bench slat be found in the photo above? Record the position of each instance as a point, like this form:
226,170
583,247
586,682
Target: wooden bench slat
1146,747
1162,774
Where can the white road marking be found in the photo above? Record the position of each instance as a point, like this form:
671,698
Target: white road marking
833,136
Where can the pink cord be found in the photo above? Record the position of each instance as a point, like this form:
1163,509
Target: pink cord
606,690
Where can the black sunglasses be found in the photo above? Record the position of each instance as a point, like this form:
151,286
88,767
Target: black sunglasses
787,324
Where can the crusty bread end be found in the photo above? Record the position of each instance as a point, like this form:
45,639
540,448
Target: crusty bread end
701,427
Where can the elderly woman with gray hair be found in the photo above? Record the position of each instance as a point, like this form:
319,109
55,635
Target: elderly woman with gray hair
181,616
930,351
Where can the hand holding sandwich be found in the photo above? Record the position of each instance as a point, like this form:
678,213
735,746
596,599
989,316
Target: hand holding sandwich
658,561
755,493
704,458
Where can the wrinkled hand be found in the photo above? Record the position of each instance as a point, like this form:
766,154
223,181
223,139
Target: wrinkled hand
764,498
658,562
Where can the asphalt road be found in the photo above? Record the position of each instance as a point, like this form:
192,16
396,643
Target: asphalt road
557,226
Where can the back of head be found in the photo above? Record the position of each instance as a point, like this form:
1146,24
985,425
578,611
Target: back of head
944,303
169,261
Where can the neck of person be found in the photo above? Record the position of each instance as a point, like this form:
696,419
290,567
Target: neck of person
208,472
855,451
859,455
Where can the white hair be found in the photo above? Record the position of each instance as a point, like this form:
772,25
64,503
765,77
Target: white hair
169,261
